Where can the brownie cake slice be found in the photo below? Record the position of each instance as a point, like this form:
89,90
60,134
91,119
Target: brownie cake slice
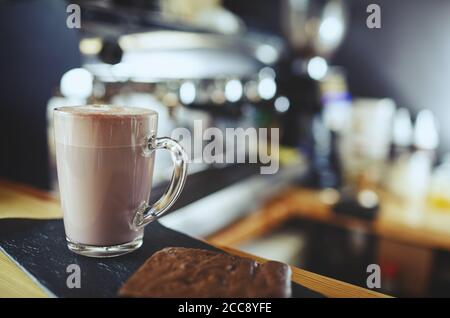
187,272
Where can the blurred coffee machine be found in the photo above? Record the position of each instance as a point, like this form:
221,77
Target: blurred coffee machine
314,30
199,61
192,61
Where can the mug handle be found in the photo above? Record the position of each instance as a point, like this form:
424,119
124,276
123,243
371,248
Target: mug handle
146,213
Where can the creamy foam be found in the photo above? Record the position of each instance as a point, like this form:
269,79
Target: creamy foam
105,110
103,125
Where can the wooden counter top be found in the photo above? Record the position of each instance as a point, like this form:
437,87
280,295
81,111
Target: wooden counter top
412,223
20,201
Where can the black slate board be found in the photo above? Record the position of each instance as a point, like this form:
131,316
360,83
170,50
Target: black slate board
39,247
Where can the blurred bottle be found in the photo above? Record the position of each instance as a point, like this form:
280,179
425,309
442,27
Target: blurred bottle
402,132
402,141
326,127
324,160
426,135
426,142
365,142
336,100
439,194
414,152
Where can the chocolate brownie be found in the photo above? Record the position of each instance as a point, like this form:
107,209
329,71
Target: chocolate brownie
187,272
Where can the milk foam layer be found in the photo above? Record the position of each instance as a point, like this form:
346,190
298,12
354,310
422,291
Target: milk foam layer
106,110
103,125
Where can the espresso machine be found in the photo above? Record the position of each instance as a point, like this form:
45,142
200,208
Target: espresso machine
173,58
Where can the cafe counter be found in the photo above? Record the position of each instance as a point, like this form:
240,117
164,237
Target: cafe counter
20,201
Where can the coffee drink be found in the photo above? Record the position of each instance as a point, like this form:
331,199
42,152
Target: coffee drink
105,166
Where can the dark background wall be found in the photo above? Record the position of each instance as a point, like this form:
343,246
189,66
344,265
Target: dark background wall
35,50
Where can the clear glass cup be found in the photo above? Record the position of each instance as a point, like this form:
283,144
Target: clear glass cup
105,156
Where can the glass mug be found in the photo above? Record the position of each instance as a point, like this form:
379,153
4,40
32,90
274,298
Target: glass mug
105,157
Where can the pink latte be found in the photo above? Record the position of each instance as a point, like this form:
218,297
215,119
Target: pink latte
103,173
